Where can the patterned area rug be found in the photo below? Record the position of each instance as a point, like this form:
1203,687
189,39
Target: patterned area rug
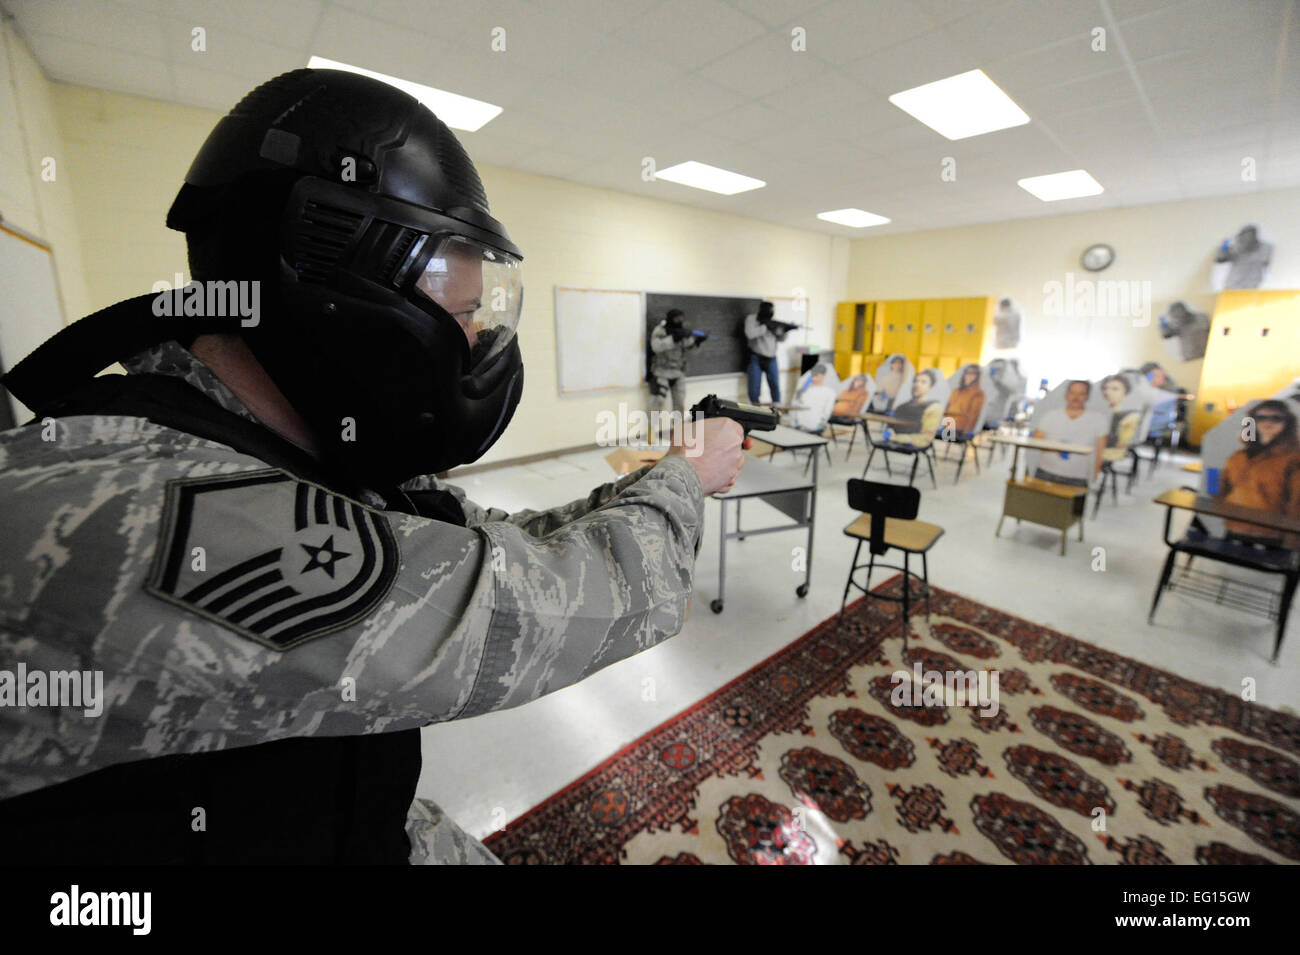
817,756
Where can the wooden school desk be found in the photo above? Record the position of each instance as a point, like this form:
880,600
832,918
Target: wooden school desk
1047,503
1223,590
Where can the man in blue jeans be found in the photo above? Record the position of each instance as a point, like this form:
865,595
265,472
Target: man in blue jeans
762,332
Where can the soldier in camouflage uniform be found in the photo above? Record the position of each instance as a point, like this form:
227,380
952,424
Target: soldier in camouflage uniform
276,612
670,345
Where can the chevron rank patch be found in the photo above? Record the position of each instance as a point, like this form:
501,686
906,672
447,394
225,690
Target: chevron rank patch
276,559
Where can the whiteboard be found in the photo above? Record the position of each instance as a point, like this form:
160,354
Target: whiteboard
599,340
30,308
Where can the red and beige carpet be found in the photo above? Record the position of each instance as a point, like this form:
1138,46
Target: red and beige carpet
806,759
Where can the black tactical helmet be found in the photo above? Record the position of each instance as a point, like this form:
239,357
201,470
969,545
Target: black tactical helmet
391,296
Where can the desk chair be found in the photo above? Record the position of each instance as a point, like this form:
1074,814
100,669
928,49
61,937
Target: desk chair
1111,473
833,430
839,421
888,520
1197,542
917,451
964,440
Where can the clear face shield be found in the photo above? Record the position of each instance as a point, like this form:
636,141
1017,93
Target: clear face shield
483,290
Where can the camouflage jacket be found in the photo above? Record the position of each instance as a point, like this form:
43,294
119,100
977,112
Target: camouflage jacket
668,355
226,603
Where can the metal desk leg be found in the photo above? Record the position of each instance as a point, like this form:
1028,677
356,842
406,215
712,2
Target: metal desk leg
802,589
716,605
1284,608
907,603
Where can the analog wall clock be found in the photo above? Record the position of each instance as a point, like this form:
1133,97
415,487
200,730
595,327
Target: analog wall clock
1097,257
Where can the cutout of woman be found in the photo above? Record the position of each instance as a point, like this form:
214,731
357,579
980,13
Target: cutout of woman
853,399
967,402
1265,473
1123,421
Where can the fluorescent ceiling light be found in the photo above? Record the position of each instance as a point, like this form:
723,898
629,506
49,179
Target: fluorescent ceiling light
1061,185
854,218
699,175
458,112
965,105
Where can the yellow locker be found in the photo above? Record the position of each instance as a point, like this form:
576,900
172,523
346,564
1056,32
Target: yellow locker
951,340
877,317
982,317
971,333
926,361
843,328
910,334
948,364
931,326
891,317
1253,352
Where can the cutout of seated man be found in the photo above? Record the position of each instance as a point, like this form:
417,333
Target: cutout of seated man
1265,473
853,399
1123,421
919,419
966,406
814,403
1073,424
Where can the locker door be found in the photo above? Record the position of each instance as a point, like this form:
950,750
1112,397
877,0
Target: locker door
931,326
953,316
911,331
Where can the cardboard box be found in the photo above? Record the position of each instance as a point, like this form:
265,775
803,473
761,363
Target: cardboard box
627,460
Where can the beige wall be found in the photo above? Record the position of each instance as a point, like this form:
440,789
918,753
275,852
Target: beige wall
30,132
1169,246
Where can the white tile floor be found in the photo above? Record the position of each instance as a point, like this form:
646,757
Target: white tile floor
486,771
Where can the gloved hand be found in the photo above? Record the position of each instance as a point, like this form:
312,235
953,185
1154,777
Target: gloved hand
700,337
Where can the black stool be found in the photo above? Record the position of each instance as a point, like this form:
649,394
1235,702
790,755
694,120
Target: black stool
888,520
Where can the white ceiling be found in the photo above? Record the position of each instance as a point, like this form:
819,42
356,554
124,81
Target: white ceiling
1185,90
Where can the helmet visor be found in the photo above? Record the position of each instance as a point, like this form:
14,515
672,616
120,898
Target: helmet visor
481,288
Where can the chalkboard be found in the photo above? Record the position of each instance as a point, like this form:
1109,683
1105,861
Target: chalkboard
725,353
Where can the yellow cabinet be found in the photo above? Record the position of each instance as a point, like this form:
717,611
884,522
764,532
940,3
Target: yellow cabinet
938,332
1253,352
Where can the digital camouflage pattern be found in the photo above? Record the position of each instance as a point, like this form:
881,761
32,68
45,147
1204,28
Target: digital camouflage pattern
436,840
174,360
474,619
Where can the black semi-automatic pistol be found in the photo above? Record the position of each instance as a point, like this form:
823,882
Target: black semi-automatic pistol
749,417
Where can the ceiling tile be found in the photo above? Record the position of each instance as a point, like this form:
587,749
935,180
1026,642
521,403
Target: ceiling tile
763,66
691,33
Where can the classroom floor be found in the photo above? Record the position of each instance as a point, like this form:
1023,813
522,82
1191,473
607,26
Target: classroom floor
486,771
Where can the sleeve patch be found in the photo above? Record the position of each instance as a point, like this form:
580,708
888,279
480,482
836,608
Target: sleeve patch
275,559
